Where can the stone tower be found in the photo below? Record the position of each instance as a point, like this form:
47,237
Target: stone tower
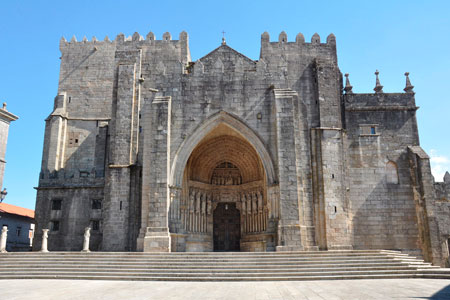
157,152
5,119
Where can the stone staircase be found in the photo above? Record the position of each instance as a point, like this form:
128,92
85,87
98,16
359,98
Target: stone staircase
213,266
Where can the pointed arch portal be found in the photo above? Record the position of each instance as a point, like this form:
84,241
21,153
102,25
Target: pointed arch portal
223,169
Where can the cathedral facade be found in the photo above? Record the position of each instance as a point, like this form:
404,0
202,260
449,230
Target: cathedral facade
156,152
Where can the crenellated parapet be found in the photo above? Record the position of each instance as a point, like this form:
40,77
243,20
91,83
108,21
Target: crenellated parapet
87,47
315,47
121,38
299,39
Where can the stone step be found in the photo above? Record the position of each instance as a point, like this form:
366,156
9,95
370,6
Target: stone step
220,254
200,266
231,278
178,258
154,259
158,273
217,266
204,270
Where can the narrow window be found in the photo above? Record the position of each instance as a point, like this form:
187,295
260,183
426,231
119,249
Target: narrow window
74,138
55,226
18,230
391,173
97,204
95,225
56,204
368,129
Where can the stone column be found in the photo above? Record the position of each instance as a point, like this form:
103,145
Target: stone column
289,238
156,163
44,240
3,239
175,209
87,236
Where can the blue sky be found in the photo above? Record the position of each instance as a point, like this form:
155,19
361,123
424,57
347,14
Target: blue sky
391,36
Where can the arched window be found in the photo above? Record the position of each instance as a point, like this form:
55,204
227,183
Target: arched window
391,173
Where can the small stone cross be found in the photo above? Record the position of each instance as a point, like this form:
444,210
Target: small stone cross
223,38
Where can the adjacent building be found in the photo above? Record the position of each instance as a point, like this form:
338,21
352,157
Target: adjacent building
157,152
5,119
20,223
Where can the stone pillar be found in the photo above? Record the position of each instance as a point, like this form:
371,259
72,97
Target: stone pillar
289,238
87,236
175,209
55,137
44,240
156,163
116,229
424,198
3,239
332,222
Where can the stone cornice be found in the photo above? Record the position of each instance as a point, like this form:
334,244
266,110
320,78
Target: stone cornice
382,108
7,116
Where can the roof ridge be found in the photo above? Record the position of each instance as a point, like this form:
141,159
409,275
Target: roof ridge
229,48
16,210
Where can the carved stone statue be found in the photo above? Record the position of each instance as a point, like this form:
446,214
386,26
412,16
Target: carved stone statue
209,207
87,235
3,239
44,240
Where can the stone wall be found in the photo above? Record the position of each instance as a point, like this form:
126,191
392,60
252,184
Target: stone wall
5,119
380,127
442,209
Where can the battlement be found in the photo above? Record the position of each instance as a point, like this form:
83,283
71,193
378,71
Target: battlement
122,39
313,49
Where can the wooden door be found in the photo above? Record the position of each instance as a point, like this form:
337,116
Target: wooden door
227,227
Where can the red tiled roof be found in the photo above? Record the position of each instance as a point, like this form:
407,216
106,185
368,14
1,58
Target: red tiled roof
16,210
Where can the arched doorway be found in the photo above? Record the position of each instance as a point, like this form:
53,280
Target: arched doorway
223,199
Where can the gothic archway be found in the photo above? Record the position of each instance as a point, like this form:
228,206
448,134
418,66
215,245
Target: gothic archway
194,138
223,168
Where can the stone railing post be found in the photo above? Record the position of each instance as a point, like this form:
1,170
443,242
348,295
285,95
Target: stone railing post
3,239
87,236
44,240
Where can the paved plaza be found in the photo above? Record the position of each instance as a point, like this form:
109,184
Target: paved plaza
435,289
